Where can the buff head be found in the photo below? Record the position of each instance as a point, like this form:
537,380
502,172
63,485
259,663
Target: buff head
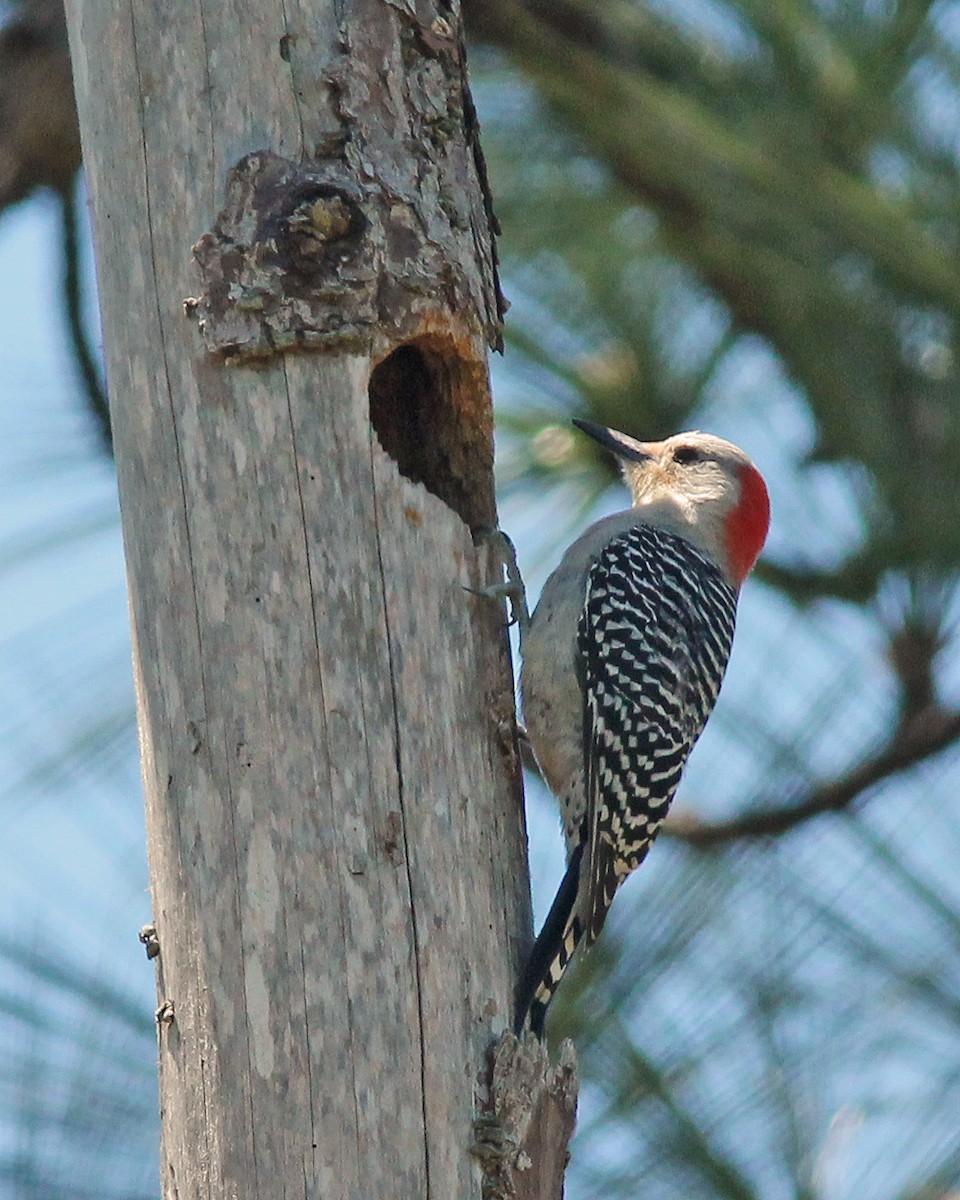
699,486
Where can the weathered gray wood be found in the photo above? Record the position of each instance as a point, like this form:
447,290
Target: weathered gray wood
336,836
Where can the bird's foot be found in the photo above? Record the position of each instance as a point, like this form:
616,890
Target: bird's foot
512,588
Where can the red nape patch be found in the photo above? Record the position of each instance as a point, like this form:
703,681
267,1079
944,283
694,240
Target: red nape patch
747,524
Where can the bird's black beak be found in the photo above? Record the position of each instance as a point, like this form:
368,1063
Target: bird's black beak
626,448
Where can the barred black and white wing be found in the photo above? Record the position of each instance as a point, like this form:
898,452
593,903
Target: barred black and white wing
654,638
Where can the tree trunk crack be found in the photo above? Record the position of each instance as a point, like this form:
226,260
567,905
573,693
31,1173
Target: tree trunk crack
395,699
291,60
241,955
211,123
315,620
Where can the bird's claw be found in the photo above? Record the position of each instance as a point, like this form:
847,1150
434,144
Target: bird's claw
498,591
513,589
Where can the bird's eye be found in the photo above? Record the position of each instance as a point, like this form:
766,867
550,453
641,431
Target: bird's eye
686,454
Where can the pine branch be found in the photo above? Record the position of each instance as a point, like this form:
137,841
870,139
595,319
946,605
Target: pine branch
73,305
923,738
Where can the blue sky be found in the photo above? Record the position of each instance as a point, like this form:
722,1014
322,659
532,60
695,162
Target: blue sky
64,656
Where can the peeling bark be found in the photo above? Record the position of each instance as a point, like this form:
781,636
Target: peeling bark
522,1139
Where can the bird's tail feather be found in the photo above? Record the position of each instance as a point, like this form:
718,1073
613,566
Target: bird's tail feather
604,882
552,952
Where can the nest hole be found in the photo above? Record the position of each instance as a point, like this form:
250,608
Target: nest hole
431,414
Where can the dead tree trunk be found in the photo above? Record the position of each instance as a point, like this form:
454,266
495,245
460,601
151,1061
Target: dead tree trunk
304,443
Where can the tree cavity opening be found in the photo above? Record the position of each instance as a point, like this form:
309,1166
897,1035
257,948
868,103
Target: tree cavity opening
430,411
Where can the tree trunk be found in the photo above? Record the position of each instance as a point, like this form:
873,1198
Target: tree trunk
326,716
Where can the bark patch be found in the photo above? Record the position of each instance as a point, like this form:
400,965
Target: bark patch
287,264
522,1142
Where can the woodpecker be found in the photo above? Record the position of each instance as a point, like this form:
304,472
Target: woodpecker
621,664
